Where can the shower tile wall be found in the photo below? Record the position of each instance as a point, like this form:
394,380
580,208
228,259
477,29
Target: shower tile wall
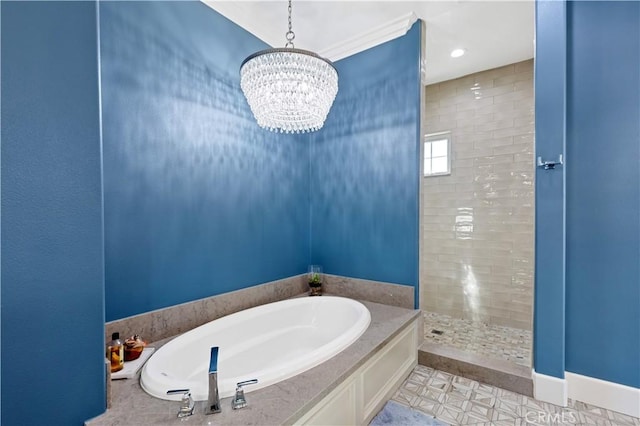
477,223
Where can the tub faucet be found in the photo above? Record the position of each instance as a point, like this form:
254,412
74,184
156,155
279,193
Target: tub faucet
239,401
213,401
186,403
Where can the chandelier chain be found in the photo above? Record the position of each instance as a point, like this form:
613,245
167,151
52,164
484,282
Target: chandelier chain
290,35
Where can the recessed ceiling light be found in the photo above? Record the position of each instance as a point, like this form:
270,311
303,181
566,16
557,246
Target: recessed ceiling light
456,53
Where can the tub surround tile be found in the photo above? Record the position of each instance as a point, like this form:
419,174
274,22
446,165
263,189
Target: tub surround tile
281,403
159,324
374,291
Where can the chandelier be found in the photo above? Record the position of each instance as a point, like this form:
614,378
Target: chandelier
289,90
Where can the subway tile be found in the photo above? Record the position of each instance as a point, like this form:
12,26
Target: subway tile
444,102
523,157
526,120
508,322
521,313
506,245
435,250
477,120
474,104
494,125
439,126
439,187
432,105
472,153
522,148
461,146
521,85
509,80
512,96
461,115
464,129
499,89
494,142
492,182
499,72
524,66
431,121
446,110
437,226
524,106
451,86
460,164
526,164
493,108
476,136
513,131
524,138
431,90
465,171
493,159
520,112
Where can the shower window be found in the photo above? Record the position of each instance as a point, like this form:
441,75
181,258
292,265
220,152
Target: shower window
437,154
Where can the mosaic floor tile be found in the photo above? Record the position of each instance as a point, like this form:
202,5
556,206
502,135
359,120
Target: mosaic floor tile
450,414
622,420
432,395
426,406
505,343
504,409
478,412
505,395
459,401
587,418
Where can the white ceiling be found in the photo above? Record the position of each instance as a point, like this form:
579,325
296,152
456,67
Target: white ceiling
493,33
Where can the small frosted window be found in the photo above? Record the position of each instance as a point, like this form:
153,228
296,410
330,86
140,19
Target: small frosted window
437,158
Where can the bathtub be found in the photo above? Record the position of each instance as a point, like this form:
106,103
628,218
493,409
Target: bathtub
270,343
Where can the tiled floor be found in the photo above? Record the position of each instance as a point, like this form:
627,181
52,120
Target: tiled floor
493,341
459,401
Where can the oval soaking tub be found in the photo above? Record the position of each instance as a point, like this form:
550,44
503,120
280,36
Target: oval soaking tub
270,343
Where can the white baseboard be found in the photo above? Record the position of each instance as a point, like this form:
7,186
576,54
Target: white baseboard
609,395
549,389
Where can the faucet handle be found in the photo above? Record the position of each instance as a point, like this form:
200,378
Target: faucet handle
239,401
187,402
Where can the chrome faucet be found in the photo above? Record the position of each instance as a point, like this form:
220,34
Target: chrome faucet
186,403
239,401
213,401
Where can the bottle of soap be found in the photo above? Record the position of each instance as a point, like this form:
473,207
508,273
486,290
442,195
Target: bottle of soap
115,353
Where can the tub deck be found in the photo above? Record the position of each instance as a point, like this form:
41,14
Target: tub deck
282,403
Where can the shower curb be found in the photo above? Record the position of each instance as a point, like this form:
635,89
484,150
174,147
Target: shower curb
502,374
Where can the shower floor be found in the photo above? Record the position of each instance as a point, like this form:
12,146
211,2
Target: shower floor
503,343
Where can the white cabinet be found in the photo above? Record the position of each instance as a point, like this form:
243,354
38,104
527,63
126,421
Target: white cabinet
357,399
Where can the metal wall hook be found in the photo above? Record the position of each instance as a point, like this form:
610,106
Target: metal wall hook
550,165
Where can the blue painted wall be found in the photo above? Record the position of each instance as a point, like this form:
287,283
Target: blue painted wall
198,199
603,191
52,248
587,268
364,167
550,82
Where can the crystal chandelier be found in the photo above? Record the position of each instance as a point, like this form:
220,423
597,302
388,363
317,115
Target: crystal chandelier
289,90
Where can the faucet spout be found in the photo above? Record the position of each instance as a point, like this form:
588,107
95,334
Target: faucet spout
213,401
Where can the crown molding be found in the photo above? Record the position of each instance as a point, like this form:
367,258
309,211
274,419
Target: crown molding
378,35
